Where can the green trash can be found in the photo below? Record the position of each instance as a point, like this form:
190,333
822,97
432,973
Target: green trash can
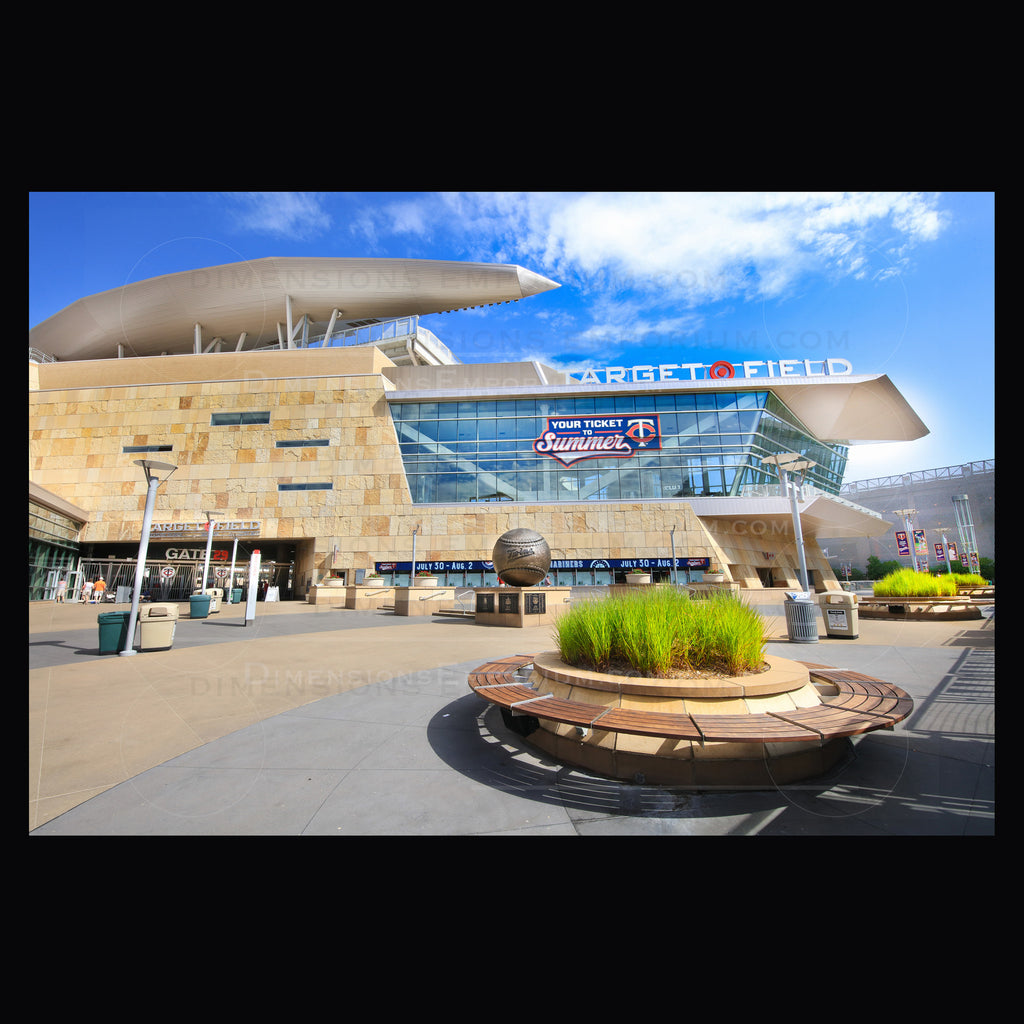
113,631
199,606
236,595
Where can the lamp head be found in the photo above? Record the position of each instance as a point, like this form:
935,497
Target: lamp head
155,470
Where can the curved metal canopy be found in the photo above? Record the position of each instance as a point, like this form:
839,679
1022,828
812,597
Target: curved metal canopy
160,314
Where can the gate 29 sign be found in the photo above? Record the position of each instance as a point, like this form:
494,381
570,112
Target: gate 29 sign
569,440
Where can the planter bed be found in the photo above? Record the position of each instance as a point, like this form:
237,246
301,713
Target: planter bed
918,608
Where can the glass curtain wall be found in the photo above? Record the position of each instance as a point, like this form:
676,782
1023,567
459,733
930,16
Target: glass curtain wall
711,445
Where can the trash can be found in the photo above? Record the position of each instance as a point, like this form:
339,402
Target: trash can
801,618
113,631
156,623
236,595
199,606
840,614
216,596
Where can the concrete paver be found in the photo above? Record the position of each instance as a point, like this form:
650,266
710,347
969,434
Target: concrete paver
320,721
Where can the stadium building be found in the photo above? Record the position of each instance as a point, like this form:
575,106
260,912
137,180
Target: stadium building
312,417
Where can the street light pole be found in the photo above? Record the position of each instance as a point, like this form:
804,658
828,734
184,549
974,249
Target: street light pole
908,526
675,571
210,526
785,465
945,549
153,481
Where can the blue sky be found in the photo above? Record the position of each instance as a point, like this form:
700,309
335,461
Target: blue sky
901,283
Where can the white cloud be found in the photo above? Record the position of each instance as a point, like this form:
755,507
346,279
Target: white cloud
700,247
294,215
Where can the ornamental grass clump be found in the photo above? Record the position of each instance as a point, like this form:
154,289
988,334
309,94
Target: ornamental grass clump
908,583
662,633
969,579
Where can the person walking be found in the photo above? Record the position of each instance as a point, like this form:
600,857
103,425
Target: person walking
99,590
62,591
87,592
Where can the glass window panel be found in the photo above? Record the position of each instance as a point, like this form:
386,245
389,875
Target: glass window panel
728,421
466,487
423,488
528,428
671,482
585,406
686,403
651,484
686,423
629,484
625,403
447,487
707,423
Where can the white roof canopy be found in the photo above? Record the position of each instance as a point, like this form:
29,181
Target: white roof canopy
255,297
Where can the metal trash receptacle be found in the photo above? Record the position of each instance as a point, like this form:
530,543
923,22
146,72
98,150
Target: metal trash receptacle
839,611
113,631
199,606
801,618
156,625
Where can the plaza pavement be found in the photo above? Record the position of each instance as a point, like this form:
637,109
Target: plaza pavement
319,721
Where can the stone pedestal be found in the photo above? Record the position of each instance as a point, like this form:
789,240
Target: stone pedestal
518,607
368,598
423,600
331,596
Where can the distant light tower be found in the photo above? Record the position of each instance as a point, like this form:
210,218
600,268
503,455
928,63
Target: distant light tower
965,525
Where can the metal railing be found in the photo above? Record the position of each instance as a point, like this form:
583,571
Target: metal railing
967,469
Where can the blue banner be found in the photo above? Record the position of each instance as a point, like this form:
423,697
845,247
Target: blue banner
470,565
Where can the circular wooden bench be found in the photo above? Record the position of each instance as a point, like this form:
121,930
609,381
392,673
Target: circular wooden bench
852,704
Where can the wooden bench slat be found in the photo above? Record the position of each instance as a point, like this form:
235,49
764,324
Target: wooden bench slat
833,722
751,729
649,723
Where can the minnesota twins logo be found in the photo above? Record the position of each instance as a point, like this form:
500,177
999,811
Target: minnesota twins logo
571,440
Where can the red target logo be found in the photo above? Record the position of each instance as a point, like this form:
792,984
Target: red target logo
721,370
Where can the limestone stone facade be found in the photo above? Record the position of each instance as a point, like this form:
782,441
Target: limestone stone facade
86,416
